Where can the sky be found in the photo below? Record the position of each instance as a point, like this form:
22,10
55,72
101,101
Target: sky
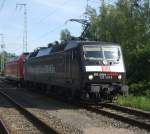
45,20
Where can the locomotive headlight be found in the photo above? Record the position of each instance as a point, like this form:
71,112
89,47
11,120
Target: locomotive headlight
119,76
105,62
91,77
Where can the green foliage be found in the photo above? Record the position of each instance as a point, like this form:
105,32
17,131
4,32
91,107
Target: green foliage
4,57
140,88
127,23
65,35
138,65
141,102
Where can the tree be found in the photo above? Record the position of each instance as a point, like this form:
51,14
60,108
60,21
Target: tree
65,35
126,23
5,57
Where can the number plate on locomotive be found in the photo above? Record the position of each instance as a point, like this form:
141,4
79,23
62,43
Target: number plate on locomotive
104,76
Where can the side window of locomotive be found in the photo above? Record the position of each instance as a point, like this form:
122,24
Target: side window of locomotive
44,52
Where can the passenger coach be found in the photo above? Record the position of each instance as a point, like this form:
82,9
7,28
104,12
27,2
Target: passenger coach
14,68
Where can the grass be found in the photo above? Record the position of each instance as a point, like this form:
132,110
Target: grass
141,102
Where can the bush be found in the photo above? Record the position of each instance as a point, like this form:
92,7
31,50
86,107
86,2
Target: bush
138,64
138,72
140,88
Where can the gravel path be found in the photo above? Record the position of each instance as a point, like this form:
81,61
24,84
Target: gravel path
70,119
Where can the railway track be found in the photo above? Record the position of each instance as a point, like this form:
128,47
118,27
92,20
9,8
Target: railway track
132,116
48,122
135,117
40,125
3,128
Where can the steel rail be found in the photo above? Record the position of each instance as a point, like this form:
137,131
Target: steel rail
31,117
99,109
133,121
3,128
125,109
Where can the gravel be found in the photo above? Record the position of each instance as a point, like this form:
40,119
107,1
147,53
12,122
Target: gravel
14,120
70,119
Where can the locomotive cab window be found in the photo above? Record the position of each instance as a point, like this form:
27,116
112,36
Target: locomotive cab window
97,52
111,53
93,53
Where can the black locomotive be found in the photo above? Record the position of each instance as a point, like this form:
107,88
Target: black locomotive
87,70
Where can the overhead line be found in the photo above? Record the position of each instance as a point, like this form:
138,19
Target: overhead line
25,32
60,26
53,12
110,2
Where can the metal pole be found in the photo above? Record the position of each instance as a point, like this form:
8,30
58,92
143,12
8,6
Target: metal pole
87,3
25,40
86,12
103,3
2,52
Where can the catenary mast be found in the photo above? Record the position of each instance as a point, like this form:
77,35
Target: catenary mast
25,40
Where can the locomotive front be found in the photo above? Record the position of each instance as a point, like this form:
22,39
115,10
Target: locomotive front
103,72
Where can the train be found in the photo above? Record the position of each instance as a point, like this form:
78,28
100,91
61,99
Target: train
14,68
86,70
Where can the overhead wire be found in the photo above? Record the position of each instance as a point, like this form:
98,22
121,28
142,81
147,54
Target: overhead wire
58,27
109,2
52,12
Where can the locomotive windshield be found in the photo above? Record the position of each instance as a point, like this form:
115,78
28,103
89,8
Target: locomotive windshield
96,52
93,52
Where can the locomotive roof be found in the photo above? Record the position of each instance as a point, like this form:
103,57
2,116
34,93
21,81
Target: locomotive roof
94,42
64,47
73,44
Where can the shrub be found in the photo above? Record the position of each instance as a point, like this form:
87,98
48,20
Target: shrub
140,88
